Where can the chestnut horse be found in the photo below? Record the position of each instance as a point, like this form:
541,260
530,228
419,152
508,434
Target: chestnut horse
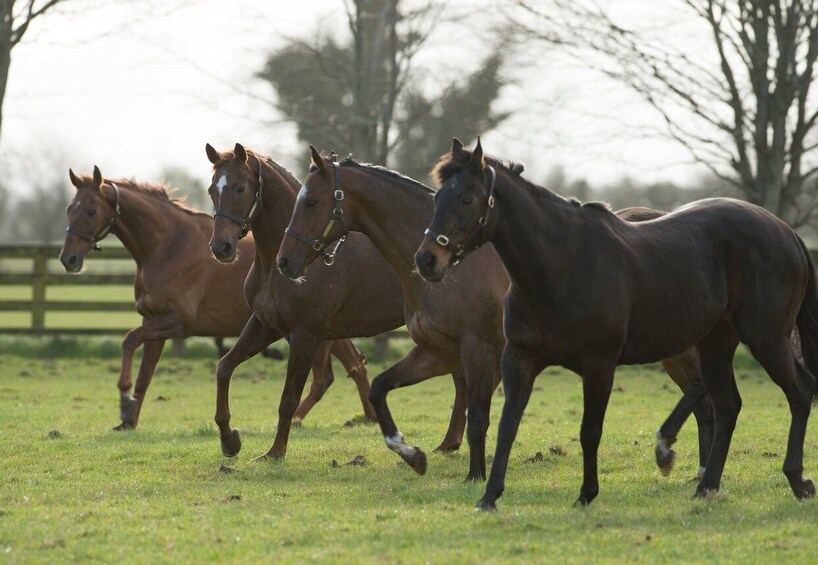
458,323
590,291
180,291
338,300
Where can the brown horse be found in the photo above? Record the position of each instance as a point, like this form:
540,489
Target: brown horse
338,299
180,291
460,322
590,292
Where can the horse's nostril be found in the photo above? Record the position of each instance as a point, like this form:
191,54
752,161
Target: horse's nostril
283,262
72,260
227,248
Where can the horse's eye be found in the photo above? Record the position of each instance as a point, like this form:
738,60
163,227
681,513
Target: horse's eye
240,189
467,200
310,203
91,212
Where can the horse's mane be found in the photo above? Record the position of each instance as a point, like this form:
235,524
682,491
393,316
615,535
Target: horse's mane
159,191
450,164
384,172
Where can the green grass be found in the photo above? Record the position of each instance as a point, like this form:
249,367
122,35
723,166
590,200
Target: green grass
157,494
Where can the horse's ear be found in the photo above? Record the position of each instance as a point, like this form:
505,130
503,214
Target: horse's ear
74,179
212,155
97,177
316,158
457,146
477,156
240,153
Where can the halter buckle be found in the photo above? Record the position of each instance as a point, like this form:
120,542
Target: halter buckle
318,245
339,195
491,201
442,240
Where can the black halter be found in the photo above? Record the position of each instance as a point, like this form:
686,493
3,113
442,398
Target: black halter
106,230
244,223
320,243
469,242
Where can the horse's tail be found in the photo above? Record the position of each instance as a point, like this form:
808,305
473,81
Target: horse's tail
807,323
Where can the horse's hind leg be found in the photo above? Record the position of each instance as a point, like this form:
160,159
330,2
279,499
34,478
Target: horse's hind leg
418,365
519,369
354,362
716,357
457,423
254,337
322,378
780,363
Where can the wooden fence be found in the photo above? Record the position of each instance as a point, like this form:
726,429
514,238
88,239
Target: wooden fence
39,278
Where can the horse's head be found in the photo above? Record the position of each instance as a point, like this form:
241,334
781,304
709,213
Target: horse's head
317,220
236,195
463,207
91,215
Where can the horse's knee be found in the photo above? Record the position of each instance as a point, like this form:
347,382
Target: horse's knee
378,389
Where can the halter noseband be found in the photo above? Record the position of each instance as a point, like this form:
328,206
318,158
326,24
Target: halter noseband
320,243
244,223
460,250
106,230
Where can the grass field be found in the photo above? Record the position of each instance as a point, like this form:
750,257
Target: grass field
72,490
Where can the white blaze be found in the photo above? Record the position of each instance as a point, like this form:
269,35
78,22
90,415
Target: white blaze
221,184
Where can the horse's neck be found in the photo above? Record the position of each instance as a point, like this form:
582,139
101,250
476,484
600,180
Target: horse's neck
146,225
277,201
392,217
536,236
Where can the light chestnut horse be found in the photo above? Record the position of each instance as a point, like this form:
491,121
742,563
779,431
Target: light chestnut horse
180,291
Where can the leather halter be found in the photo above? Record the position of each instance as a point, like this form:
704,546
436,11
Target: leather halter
244,223
468,243
320,244
106,230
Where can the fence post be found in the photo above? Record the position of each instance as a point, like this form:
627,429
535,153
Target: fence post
178,349
38,291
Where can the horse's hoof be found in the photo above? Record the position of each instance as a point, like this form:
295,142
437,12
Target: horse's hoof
486,505
231,443
127,408
475,478
805,490
446,447
297,422
124,426
665,459
581,502
703,493
269,456
417,460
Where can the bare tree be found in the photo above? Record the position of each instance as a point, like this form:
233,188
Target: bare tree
744,108
15,18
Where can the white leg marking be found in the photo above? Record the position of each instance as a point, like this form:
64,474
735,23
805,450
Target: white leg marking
396,444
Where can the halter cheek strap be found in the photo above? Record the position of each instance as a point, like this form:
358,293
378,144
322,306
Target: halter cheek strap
468,243
244,223
320,244
94,239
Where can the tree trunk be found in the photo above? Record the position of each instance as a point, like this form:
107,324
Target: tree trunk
5,51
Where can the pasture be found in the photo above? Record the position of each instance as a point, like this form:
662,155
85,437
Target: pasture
73,490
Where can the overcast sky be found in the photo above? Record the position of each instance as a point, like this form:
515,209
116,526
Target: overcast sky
137,86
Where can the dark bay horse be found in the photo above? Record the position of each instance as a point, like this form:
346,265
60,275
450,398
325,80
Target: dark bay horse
180,291
338,300
458,322
590,292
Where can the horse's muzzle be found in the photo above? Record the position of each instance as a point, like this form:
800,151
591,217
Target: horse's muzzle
224,250
429,266
71,263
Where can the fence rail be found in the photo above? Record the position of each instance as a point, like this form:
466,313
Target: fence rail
38,278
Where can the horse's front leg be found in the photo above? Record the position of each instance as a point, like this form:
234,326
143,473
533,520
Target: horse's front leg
303,347
322,378
418,365
253,339
354,361
597,381
519,368
155,329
